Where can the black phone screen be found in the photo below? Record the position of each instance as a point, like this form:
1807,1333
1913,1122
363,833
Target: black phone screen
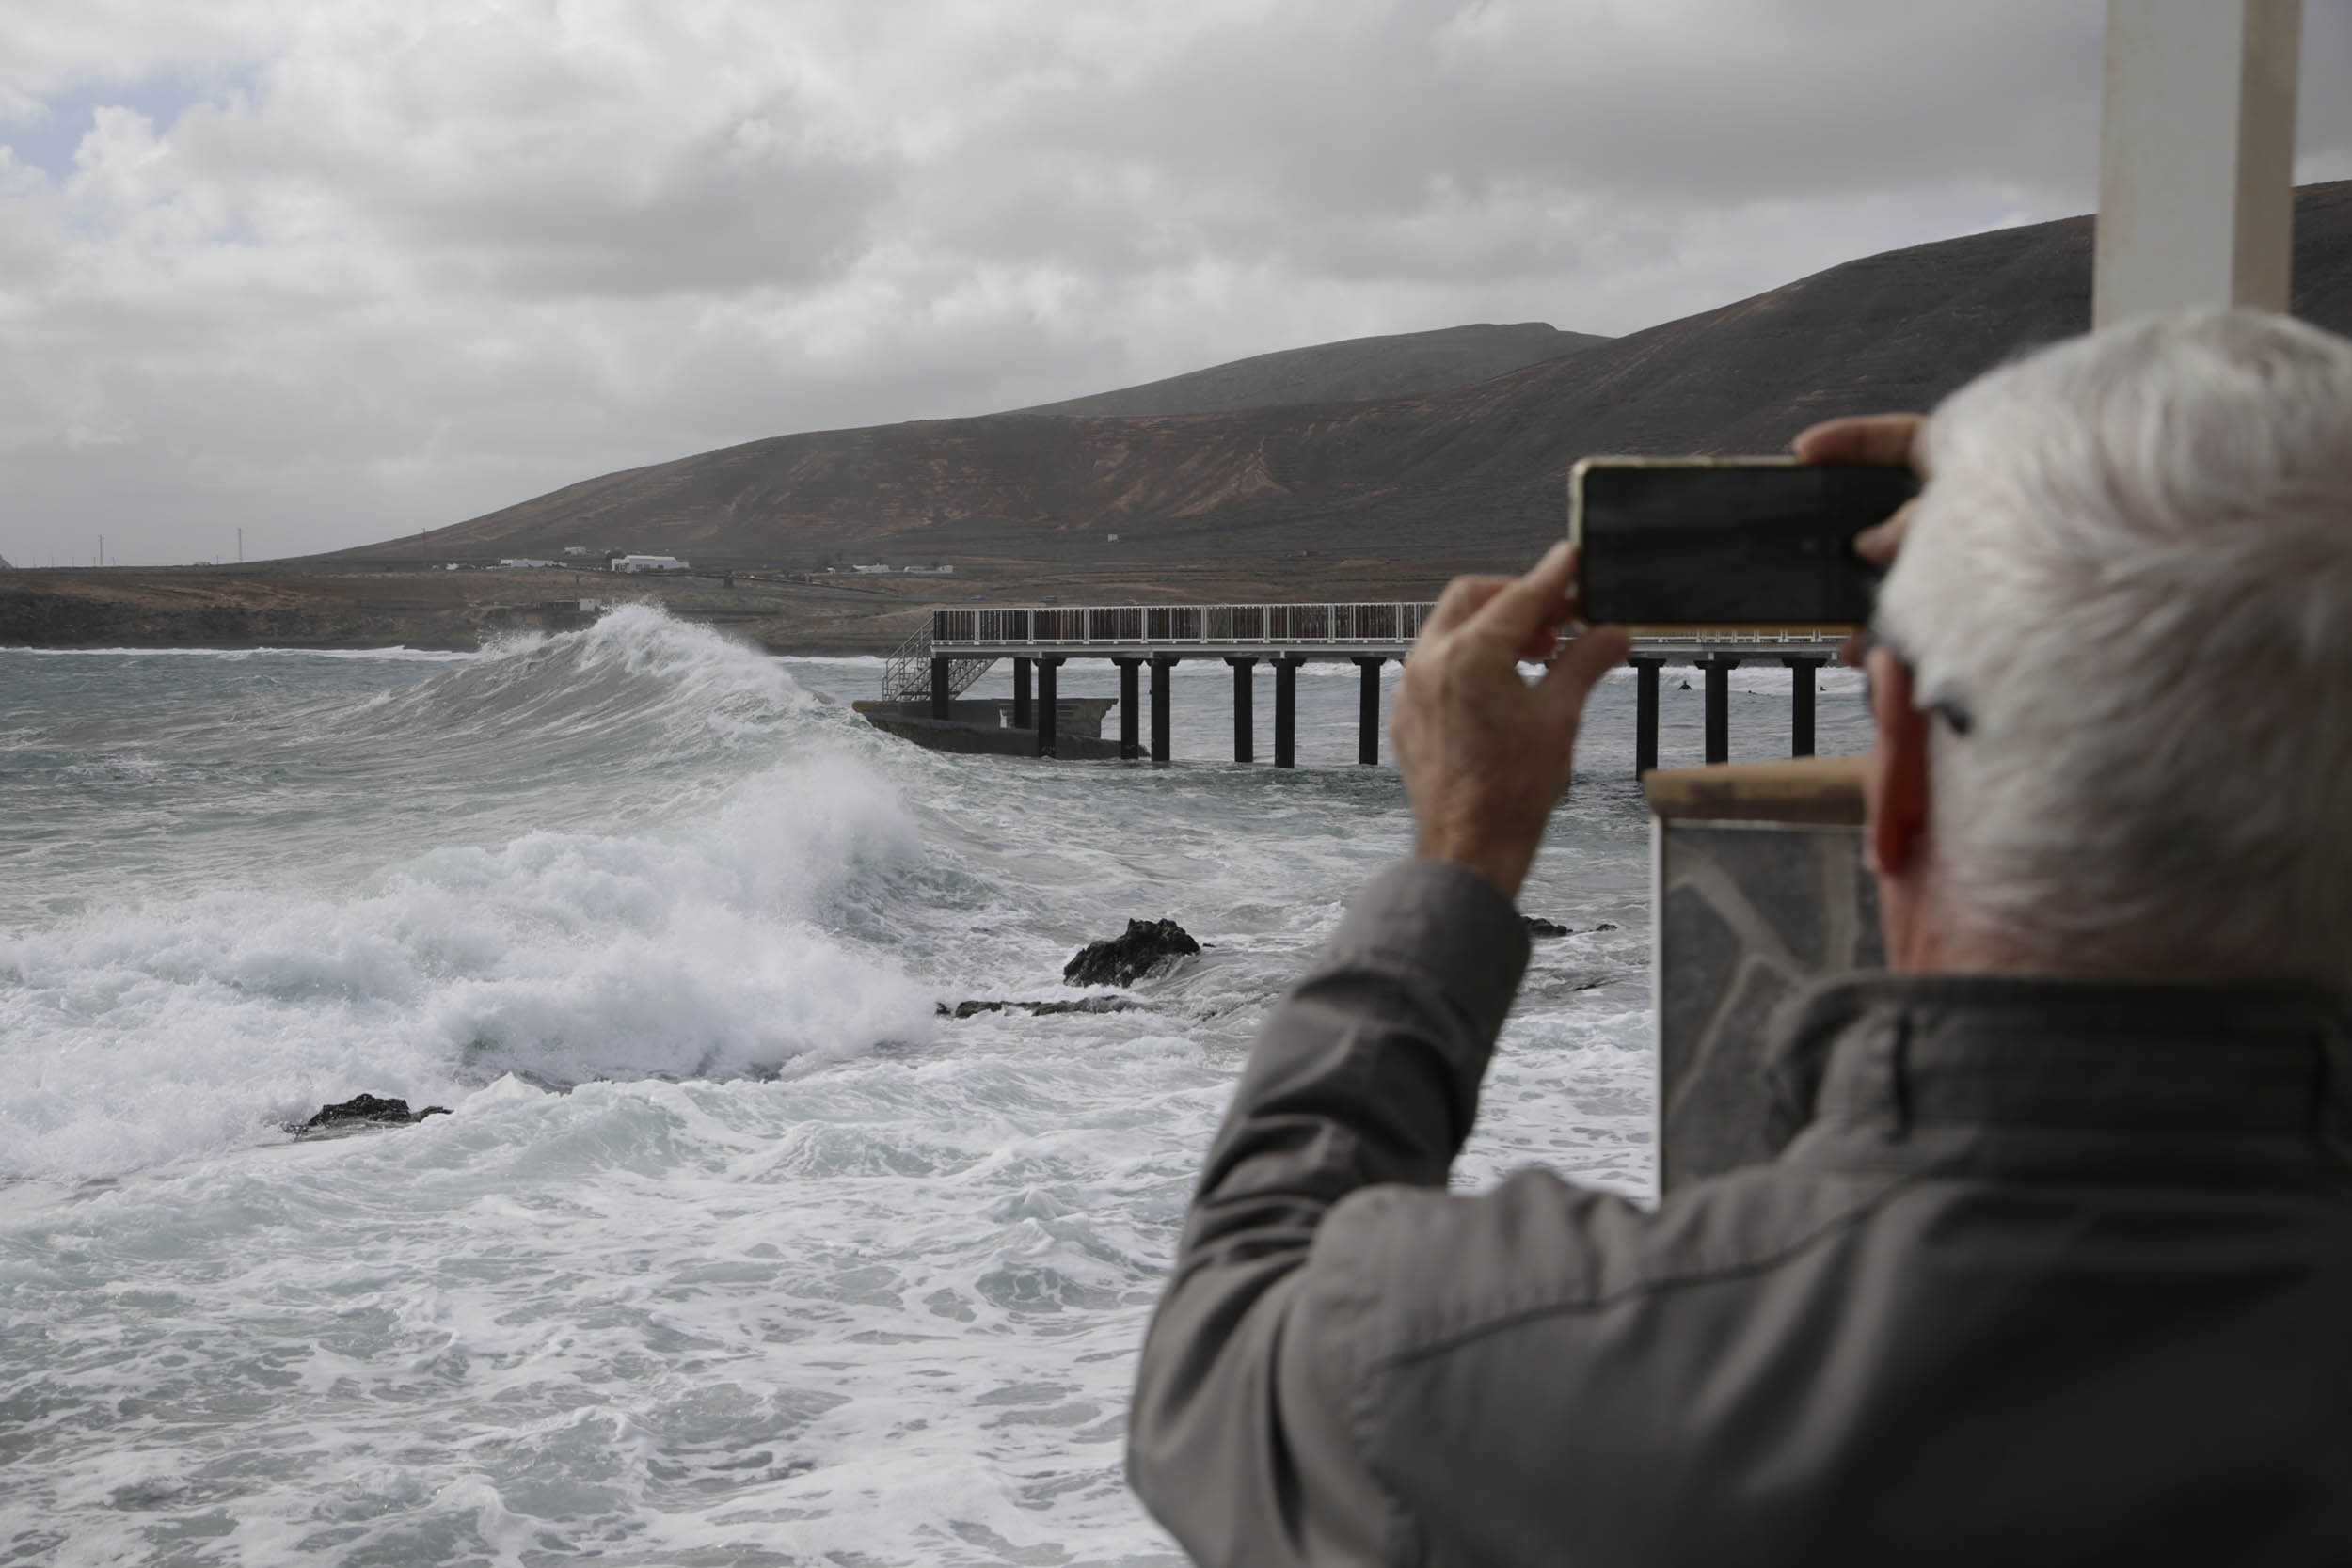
1729,543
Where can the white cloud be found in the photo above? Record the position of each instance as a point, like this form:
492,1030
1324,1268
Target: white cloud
333,272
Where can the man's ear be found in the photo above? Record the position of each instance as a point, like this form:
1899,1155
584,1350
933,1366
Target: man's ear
1895,790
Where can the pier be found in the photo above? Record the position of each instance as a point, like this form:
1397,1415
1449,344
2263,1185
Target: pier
959,644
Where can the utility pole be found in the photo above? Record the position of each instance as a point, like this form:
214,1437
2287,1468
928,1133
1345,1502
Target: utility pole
240,547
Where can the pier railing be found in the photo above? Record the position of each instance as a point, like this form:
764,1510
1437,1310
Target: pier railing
1390,625
907,673
1163,626
1737,639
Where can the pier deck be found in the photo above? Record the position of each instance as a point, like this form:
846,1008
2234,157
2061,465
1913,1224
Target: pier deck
959,643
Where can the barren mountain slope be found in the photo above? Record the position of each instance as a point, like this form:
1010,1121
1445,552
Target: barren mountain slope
1466,475
1400,365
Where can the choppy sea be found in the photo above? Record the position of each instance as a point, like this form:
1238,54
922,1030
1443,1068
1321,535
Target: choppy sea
733,1249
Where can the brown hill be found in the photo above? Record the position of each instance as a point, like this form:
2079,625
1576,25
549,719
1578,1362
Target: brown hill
1468,475
1400,365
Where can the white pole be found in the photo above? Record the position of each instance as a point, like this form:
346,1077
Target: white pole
2196,156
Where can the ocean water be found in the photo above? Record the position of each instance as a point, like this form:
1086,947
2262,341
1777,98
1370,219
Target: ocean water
731,1250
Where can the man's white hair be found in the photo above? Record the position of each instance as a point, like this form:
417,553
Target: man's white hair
2131,570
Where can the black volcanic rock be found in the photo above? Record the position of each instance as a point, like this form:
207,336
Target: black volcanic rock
1123,960
367,1110
1041,1009
1538,927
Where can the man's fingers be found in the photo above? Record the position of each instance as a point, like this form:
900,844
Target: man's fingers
1528,604
1863,439
1461,599
1545,639
1580,667
1879,543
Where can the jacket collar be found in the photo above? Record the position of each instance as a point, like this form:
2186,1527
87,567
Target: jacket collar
1942,1061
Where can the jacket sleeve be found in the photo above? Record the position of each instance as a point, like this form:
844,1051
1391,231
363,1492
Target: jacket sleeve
1244,1436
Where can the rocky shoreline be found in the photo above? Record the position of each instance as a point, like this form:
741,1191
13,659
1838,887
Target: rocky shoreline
439,611
312,604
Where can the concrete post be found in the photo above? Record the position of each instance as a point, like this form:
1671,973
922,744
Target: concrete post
1644,714
941,696
1368,711
1047,674
1286,712
1718,669
1245,715
1801,703
2196,155
1130,721
1021,719
1160,747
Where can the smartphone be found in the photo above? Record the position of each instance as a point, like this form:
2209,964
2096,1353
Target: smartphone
1728,541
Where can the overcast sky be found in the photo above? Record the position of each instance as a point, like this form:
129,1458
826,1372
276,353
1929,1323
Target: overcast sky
333,270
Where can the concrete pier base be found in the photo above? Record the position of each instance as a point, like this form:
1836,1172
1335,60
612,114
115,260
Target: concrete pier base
1160,668
1245,712
1048,673
1022,718
1368,711
942,697
1286,712
1129,719
1646,714
1718,670
1801,704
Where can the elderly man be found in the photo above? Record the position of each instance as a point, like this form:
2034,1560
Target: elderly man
2059,1269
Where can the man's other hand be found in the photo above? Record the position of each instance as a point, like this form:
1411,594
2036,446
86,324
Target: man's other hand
1484,753
1865,438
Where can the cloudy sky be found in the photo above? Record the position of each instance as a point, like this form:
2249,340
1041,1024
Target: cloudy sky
333,270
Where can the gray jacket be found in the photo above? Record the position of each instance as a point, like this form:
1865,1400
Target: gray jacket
2047,1272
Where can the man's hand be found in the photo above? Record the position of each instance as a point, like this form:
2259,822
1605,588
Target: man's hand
1484,753
1889,438
1870,439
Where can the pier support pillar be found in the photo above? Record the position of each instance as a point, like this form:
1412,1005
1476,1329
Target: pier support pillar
1160,749
1130,721
1801,703
1718,669
941,697
1046,673
1368,711
1245,714
1644,714
1286,712
1020,718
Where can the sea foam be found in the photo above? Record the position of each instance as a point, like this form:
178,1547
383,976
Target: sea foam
730,1251
695,944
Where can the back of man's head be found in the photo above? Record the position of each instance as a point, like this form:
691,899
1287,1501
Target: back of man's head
2132,570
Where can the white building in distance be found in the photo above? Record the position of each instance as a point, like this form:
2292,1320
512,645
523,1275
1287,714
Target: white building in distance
647,563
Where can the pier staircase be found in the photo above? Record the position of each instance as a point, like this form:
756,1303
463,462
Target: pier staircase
907,673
